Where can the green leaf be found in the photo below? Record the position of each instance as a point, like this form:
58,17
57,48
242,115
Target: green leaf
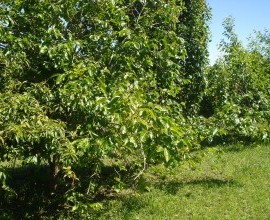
166,154
114,100
124,32
160,149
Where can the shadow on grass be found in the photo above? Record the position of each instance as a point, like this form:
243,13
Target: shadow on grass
133,203
35,200
121,208
172,187
239,147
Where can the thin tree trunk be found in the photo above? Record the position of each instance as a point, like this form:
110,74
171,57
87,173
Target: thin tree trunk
55,168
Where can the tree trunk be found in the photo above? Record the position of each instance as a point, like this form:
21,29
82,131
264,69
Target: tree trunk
55,168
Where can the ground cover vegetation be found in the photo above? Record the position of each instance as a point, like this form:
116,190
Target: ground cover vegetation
94,93
230,185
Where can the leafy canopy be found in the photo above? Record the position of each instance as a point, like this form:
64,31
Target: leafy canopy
86,80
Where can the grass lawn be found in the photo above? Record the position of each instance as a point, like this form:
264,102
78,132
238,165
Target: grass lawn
233,185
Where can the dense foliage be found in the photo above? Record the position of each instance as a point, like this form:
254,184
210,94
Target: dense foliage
237,95
83,82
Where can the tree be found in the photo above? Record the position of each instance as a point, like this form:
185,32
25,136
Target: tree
86,80
194,30
237,90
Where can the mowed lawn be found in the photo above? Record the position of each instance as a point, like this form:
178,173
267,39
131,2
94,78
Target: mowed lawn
232,185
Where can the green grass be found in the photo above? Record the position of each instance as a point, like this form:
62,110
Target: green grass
233,185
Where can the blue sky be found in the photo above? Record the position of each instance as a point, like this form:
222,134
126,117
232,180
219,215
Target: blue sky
249,15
